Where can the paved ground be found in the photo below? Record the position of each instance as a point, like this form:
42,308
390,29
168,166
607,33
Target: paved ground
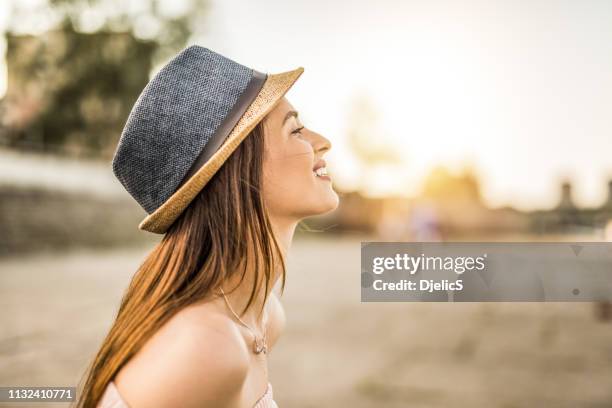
55,309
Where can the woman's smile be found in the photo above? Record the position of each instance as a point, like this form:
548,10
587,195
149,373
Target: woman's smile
320,170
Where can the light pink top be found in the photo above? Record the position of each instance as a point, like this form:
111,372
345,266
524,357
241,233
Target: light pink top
112,398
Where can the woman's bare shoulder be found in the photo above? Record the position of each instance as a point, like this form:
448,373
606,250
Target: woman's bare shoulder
196,359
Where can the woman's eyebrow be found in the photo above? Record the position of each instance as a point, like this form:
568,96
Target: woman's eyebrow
290,114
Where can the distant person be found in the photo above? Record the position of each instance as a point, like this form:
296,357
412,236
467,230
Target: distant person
424,222
220,161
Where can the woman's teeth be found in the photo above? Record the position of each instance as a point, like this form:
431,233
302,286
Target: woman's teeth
321,171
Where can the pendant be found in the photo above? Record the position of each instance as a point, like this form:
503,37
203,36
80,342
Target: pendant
260,346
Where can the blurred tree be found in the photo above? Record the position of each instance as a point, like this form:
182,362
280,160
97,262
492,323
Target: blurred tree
72,92
70,89
169,23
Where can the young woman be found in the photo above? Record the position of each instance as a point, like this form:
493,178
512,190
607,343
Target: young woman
199,317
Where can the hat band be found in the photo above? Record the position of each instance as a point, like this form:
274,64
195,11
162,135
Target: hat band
216,140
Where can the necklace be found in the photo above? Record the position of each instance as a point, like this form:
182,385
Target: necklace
259,345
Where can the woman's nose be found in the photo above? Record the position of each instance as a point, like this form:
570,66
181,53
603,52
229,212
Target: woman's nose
319,142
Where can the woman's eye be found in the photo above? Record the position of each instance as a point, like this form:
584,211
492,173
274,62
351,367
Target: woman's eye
298,130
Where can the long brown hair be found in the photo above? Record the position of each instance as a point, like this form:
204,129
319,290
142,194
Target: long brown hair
224,229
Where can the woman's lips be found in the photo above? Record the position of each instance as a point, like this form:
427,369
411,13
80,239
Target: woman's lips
321,172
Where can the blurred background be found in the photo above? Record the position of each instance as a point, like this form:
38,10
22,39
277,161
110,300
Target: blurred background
450,120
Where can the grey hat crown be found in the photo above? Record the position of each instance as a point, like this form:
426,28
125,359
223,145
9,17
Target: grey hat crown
173,119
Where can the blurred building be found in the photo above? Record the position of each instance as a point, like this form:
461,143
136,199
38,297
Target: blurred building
566,216
457,201
451,205
71,92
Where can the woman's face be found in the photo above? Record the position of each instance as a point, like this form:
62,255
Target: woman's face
292,189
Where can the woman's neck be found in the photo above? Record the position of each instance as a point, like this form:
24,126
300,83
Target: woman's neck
238,299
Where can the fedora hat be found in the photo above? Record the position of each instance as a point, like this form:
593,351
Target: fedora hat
187,121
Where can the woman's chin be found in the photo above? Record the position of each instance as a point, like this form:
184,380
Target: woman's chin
328,203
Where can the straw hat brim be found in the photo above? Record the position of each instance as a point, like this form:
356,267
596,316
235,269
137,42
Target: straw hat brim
273,89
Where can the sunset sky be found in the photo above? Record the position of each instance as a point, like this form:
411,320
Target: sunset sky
521,90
